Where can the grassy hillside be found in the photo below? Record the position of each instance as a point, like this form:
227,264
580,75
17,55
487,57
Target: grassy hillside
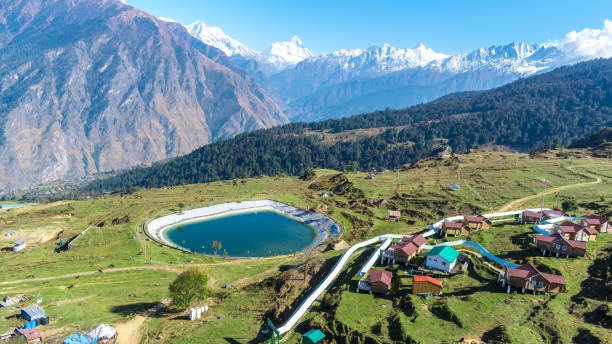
115,273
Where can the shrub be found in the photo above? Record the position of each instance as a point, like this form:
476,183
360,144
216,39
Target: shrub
190,285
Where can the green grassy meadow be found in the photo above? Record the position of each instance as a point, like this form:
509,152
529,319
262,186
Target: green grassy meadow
115,272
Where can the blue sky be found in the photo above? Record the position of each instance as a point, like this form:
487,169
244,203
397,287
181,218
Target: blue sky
444,25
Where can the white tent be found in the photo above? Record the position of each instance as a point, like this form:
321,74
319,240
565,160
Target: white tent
103,331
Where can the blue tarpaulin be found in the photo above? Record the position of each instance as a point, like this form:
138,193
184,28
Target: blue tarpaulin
540,230
79,338
30,324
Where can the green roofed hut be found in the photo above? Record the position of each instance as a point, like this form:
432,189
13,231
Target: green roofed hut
314,336
441,258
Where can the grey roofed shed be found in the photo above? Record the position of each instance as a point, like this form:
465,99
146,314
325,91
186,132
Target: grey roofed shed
33,312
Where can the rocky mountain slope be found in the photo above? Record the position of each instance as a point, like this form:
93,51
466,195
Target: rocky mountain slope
95,85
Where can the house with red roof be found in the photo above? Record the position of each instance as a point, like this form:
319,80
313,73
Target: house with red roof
380,280
394,215
557,245
574,231
597,222
455,228
406,249
478,222
527,277
426,285
531,216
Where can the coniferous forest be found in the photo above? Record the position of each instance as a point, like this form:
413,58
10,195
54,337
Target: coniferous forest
542,111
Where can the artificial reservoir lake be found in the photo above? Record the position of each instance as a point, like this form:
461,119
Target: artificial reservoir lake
256,234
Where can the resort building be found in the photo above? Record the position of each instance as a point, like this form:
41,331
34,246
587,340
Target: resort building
425,285
441,258
455,228
380,280
531,216
478,222
557,245
405,250
574,231
527,277
599,223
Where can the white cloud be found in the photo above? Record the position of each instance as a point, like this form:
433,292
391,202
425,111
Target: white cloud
588,43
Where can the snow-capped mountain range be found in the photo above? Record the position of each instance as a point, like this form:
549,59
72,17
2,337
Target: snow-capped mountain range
280,55
345,82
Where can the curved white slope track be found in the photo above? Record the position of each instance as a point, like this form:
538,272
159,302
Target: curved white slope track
386,238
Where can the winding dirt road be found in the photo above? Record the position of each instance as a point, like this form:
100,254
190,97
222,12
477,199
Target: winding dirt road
516,204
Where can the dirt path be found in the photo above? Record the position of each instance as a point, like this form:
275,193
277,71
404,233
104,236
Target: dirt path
130,332
87,273
516,204
160,267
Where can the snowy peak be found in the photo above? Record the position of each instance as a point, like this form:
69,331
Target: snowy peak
215,37
288,53
382,59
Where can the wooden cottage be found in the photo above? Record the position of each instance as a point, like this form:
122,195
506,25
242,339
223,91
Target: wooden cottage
394,215
478,222
441,258
531,216
557,245
527,277
574,231
455,228
599,223
380,281
426,285
407,248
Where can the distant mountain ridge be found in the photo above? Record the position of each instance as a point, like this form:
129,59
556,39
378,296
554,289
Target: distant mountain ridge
348,82
546,110
88,86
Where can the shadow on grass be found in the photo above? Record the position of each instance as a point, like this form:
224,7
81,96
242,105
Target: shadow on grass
526,249
133,308
594,287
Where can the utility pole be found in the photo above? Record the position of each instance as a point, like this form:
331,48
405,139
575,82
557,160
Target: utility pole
397,187
546,182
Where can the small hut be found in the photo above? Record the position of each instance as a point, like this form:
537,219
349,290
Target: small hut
33,312
394,215
314,336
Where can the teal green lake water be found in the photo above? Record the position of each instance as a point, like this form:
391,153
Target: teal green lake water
260,234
